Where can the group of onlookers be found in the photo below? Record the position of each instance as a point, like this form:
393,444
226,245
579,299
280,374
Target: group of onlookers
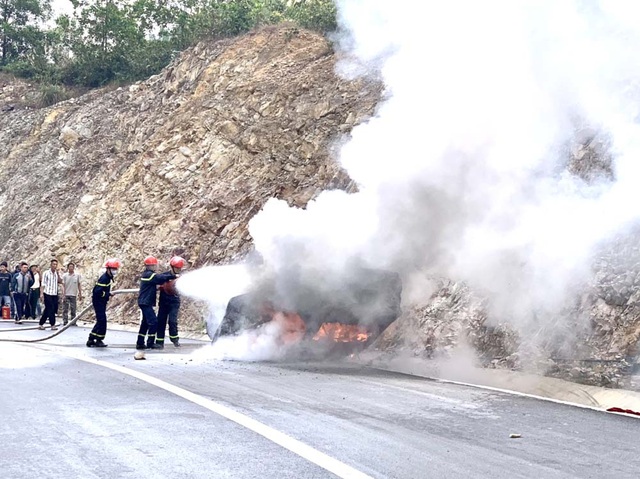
25,288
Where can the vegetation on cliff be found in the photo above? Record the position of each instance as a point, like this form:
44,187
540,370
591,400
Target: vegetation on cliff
105,41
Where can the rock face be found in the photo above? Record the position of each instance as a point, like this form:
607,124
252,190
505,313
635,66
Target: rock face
178,163
452,315
595,340
15,94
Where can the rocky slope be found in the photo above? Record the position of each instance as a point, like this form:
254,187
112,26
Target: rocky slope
597,342
180,163
594,341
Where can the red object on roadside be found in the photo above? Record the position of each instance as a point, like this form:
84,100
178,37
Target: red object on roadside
624,411
6,312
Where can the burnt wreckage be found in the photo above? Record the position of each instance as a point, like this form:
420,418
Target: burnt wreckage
357,308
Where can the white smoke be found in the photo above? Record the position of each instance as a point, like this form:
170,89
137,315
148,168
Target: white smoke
215,285
462,170
273,340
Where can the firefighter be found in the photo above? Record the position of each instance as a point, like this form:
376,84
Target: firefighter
147,298
169,305
99,298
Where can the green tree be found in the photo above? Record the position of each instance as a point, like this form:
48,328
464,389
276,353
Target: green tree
104,36
21,31
320,15
126,40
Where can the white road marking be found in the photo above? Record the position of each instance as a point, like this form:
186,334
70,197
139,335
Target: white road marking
508,391
303,450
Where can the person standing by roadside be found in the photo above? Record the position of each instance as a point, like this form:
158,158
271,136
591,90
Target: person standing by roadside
99,298
34,292
27,305
72,292
5,285
169,305
20,285
16,270
51,281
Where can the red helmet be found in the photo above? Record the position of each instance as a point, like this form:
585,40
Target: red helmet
113,263
150,260
177,262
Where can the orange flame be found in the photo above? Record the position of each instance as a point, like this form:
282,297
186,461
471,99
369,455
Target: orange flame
292,326
341,333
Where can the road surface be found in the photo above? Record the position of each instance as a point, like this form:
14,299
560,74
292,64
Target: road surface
70,411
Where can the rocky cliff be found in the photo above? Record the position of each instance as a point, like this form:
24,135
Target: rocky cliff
178,163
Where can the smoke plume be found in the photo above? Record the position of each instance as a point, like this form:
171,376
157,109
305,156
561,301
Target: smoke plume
462,172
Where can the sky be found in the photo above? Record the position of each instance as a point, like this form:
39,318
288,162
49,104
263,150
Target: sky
61,6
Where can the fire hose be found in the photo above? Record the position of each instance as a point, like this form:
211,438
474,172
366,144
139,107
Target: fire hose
61,330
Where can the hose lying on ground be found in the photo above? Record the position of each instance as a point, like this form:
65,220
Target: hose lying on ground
63,328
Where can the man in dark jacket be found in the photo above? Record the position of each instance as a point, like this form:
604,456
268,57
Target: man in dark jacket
16,270
20,287
169,305
147,298
99,298
5,285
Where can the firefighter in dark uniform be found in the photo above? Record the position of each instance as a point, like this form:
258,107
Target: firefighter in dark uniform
169,305
147,298
99,298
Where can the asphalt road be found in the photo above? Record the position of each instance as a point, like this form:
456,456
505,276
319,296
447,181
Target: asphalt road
63,417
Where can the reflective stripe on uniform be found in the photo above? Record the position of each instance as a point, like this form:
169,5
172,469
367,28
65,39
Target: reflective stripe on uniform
149,278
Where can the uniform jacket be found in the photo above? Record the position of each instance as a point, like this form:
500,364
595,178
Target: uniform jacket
149,282
102,288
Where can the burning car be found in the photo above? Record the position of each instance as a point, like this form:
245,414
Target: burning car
351,311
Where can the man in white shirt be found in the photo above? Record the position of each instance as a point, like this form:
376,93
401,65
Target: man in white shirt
34,294
49,288
72,292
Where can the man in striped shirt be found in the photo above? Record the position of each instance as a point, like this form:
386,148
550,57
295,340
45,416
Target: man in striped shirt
49,294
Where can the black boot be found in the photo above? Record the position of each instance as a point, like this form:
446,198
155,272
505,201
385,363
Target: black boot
100,344
151,342
140,347
176,342
91,343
